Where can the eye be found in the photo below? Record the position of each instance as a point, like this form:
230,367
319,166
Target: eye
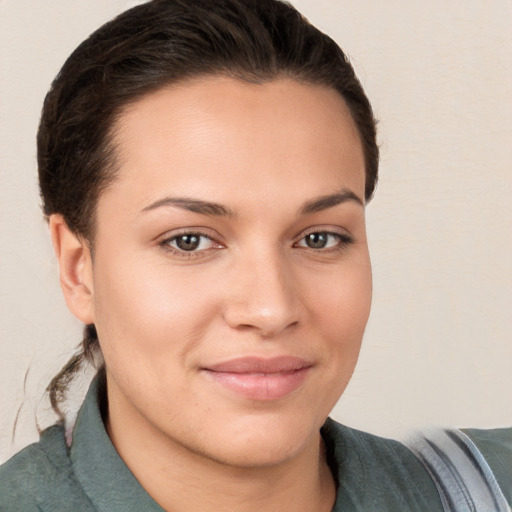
324,240
188,242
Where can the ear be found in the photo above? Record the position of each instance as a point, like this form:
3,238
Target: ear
75,264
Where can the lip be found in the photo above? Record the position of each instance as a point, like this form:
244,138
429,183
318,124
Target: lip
258,378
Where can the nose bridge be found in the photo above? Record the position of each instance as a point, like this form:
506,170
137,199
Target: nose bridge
263,296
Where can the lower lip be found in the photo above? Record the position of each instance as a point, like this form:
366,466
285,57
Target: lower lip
260,386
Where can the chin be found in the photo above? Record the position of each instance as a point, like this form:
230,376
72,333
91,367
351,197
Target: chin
249,453
262,442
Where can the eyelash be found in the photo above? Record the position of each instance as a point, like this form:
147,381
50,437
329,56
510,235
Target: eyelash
343,241
166,244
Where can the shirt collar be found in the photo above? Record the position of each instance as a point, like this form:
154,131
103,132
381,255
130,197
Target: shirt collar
98,467
111,486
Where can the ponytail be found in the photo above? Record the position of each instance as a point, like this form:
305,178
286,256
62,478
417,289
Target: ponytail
89,353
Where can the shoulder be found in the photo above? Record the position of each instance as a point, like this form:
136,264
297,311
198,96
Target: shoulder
40,477
376,473
471,469
496,448
380,450
24,476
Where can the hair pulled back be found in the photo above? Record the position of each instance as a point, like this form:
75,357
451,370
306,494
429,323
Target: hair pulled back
153,45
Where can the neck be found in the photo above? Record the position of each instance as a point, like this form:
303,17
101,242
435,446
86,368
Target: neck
178,479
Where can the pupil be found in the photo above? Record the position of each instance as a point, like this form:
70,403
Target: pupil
316,240
187,242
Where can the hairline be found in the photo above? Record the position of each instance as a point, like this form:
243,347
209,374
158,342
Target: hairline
113,162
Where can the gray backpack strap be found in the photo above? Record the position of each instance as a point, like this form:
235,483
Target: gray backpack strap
463,478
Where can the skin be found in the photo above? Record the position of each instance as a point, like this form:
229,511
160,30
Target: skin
253,287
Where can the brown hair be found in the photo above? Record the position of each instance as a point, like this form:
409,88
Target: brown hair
155,44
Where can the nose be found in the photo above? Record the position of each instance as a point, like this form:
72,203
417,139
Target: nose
263,297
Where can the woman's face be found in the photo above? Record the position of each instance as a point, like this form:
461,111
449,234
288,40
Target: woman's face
231,280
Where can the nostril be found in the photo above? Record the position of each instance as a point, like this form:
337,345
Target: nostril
248,316
267,323
271,333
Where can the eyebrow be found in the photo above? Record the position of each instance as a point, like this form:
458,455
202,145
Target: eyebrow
328,201
192,205
210,208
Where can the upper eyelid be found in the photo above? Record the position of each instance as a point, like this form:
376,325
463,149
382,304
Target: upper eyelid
167,241
164,244
330,230
200,231
344,238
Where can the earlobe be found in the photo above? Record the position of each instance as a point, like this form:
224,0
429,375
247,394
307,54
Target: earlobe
75,265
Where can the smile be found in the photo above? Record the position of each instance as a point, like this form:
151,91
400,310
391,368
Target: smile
260,379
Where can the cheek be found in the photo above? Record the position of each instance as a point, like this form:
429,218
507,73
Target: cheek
342,315
144,312
339,315
345,306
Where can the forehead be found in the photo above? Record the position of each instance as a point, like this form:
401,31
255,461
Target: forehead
218,131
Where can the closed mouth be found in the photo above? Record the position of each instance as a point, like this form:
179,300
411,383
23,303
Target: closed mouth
261,379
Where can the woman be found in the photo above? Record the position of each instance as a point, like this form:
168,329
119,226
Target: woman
204,172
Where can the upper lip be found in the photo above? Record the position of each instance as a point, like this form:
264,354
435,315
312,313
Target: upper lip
254,364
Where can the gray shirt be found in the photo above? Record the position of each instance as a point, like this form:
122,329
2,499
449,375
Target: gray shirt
373,473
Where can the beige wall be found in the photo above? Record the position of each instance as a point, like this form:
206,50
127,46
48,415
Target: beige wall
438,347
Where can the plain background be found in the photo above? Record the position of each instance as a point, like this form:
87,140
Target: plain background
438,345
